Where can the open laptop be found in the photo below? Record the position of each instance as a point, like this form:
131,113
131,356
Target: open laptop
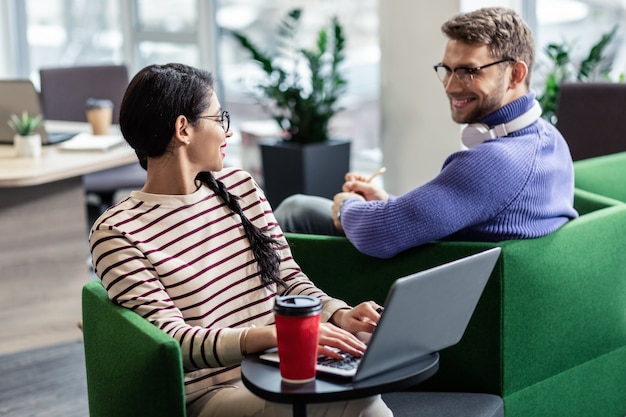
16,97
424,313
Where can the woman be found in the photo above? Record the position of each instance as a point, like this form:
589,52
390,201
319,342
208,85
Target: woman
198,252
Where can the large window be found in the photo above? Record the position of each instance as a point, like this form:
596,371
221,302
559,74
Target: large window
579,24
195,32
68,32
141,32
167,31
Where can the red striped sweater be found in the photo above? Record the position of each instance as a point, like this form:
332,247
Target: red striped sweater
183,263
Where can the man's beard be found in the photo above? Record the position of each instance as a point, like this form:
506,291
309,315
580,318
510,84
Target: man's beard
491,103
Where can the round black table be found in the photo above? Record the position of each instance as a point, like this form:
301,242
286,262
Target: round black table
263,379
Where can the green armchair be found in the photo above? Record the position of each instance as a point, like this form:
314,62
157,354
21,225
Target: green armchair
549,333
604,175
133,368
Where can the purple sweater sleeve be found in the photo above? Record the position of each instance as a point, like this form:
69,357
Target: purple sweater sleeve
520,186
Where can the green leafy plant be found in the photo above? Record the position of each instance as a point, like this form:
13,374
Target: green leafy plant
26,124
302,107
595,66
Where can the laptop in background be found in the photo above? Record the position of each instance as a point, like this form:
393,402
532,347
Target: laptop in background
424,313
17,96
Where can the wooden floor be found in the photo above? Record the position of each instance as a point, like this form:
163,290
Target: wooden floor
44,382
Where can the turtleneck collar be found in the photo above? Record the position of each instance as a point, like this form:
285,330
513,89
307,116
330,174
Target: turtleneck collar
512,110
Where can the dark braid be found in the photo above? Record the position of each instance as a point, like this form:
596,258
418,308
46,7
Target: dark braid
263,246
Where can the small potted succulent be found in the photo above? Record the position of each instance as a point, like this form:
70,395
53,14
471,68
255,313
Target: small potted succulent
26,141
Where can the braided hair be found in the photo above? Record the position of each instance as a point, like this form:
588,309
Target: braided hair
263,246
155,97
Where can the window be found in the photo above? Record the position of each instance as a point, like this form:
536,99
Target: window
579,24
143,32
167,31
68,32
359,120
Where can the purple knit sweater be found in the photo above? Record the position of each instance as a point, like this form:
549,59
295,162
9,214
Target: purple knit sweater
516,187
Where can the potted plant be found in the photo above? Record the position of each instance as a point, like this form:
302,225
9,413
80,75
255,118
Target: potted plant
27,143
595,66
302,99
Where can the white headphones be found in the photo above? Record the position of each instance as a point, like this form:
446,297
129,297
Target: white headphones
476,133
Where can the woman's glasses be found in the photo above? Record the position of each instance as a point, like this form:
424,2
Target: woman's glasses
223,118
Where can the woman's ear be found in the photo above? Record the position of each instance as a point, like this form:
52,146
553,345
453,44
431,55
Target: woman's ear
519,73
181,130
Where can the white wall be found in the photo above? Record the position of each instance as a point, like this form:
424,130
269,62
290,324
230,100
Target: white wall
5,52
417,131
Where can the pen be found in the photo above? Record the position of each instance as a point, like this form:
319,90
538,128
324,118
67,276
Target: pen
377,173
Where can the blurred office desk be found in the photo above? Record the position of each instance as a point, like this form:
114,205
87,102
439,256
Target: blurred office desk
43,248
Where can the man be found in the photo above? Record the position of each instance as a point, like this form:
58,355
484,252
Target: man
514,181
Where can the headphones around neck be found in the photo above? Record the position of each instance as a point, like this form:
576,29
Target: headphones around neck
476,133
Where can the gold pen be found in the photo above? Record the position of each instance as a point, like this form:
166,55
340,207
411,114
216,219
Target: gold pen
377,173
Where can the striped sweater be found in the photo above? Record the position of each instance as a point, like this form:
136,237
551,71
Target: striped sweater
183,263
516,187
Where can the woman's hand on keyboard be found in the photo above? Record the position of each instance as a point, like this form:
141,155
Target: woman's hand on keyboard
332,336
362,318
348,322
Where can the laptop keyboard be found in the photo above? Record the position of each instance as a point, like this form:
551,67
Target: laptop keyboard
348,362
57,137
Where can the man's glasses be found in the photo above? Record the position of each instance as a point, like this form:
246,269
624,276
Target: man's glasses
464,74
223,118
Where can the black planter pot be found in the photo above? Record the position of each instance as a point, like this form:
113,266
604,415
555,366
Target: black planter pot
314,169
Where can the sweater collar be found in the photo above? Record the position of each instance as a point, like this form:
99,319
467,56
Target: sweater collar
510,111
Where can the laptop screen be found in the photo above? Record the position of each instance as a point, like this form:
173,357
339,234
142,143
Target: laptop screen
427,311
16,97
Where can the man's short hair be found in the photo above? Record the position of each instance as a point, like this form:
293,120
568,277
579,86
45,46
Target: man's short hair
501,29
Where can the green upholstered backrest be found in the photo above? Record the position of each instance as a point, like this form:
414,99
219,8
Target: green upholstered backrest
605,175
562,297
545,300
133,368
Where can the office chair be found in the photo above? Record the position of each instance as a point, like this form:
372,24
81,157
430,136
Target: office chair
590,117
64,92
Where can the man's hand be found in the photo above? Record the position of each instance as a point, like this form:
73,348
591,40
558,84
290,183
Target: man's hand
359,184
337,202
356,186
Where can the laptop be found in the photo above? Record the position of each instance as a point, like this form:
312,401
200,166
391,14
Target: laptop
16,97
424,313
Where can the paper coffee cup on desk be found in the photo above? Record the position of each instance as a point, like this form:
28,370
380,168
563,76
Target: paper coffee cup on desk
99,115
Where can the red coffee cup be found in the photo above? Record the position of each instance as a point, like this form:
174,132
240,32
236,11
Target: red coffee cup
297,330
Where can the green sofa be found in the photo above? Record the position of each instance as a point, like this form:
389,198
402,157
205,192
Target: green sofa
549,333
604,175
